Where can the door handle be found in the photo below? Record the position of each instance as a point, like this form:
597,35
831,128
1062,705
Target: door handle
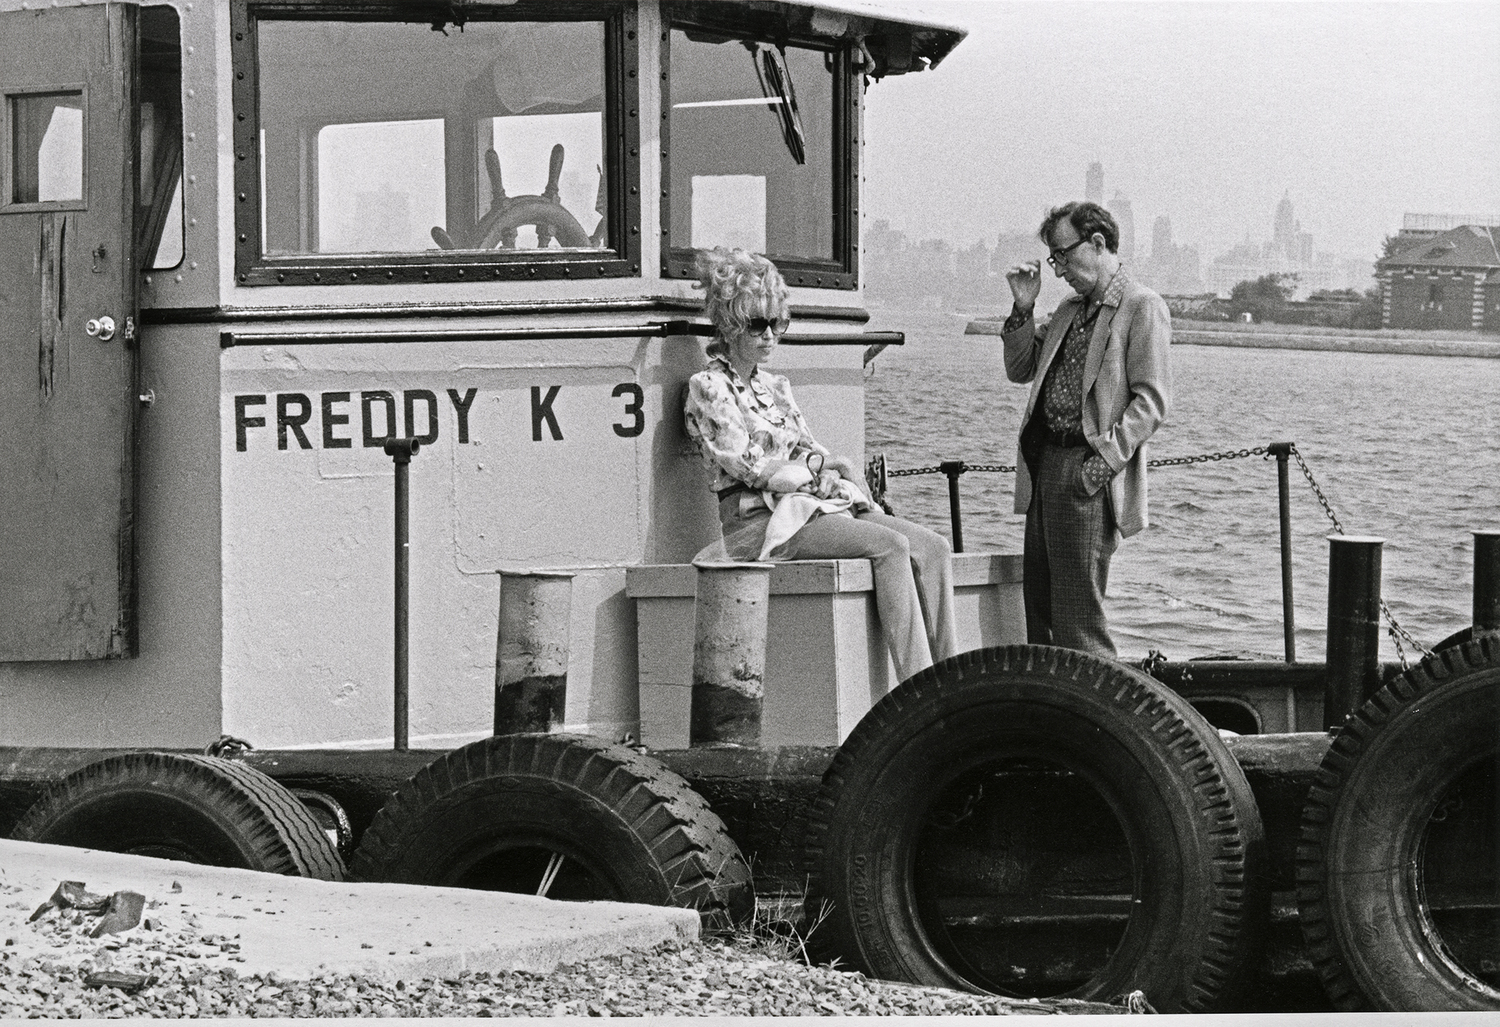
102,328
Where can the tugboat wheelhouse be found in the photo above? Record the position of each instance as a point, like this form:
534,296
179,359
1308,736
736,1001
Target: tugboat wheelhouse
435,143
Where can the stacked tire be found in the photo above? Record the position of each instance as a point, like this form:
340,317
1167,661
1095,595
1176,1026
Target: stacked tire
946,849
564,816
1398,873
199,809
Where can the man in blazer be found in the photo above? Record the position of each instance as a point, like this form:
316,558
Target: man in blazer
1101,382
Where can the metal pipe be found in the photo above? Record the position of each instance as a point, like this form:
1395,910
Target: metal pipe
1353,668
1486,583
401,451
730,617
655,329
953,468
531,661
1283,450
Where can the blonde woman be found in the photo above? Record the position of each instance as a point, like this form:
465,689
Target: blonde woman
784,496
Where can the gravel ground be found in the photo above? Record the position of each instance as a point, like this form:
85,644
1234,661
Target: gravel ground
45,966
714,979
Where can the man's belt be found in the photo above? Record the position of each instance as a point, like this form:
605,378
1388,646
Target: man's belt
735,489
1064,439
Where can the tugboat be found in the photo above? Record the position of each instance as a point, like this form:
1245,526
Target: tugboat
342,366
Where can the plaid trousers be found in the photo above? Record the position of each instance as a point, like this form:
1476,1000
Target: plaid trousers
1070,538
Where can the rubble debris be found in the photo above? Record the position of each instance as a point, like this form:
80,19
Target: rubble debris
124,912
71,895
126,982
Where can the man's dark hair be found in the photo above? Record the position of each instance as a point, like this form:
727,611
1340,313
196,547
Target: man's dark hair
1086,217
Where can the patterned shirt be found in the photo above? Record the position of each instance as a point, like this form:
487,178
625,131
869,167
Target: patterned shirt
1062,390
739,427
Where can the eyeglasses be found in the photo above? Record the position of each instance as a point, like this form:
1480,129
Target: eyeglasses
758,325
1057,257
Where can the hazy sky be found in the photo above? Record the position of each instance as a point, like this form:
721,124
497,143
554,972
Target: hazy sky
1204,111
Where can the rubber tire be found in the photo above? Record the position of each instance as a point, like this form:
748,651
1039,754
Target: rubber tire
1374,794
200,809
1181,798
641,830
1458,638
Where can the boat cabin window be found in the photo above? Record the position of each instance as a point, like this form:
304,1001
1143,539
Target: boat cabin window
159,219
759,150
47,148
399,144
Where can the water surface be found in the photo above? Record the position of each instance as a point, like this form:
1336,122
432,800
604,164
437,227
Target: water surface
1406,448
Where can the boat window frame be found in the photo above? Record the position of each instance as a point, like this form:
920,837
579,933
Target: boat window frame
10,151
621,109
162,72
842,272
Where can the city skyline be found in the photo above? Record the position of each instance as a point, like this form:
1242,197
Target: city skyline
1169,264
1206,113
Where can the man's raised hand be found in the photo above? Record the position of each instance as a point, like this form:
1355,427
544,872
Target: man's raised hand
1025,281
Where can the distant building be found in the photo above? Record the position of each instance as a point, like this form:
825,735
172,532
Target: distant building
1289,251
1425,226
1285,225
1287,237
1170,269
1161,237
1120,208
1093,189
1442,279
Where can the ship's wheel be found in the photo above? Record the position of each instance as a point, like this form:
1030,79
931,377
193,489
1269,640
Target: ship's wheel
498,227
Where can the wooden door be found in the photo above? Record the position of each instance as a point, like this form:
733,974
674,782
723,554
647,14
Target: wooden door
67,324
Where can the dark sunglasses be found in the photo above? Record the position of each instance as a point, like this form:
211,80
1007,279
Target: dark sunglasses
758,325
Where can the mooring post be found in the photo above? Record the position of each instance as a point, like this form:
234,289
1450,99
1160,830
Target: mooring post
401,451
1353,668
729,652
531,651
1283,450
1486,583
953,468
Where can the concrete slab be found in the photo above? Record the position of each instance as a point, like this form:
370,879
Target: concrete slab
258,923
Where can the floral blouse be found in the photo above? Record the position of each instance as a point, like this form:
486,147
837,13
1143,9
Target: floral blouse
740,427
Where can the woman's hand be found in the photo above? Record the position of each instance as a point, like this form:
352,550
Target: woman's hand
791,476
846,468
826,486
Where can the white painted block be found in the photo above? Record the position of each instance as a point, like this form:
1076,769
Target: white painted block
826,660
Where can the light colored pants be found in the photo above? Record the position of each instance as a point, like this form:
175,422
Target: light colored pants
1070,539
912,565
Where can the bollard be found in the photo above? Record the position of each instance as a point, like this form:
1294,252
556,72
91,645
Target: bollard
1352,673
953,468
531,660
1486,583
1282,450
729,652
401,451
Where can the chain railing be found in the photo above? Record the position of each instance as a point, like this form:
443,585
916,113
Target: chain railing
877,476
1393,626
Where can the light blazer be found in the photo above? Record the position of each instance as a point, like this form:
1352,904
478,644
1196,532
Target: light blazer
1127,387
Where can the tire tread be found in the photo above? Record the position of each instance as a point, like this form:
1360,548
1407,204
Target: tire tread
687,843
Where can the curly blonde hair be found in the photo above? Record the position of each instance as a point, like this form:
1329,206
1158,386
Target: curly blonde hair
738,285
